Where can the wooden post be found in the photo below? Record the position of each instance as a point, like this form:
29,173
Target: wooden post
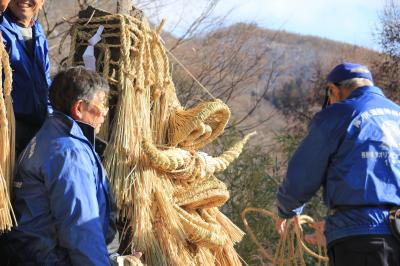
124,7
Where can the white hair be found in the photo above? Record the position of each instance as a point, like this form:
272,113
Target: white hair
355,83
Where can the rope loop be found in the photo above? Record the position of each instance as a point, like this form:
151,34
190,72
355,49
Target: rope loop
291,248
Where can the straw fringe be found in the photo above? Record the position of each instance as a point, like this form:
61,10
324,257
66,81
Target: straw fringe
234,232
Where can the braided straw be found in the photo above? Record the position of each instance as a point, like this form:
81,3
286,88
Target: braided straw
221,162
185,124
287,253
182,164
207,194
168,160
200,232
7,143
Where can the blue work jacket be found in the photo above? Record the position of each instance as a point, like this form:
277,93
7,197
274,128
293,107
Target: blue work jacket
352,150
61,199
31,76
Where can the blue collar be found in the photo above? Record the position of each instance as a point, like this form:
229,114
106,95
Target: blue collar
366,89
8,23
75,128
79,132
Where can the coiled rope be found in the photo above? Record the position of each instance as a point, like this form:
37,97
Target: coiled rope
291,248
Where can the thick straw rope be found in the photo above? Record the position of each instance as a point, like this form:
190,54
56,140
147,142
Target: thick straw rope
7,142
204,195
185,124
291,247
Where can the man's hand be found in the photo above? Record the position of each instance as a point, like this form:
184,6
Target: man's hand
317,238
137,254
133,259
280,225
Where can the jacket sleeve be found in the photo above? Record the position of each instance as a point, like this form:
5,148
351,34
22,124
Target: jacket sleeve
71,184
47,73
112,238
306,171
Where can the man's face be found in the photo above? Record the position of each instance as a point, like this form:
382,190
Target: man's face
3,5
25,10
94,112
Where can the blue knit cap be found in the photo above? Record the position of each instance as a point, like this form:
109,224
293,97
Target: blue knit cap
348,71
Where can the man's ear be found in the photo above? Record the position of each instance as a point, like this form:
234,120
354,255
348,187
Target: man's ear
77,110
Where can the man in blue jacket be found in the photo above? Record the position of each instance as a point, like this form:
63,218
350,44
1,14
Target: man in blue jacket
26,45
61,195
352,150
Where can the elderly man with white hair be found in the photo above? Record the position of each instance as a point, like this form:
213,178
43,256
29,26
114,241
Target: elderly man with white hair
352,151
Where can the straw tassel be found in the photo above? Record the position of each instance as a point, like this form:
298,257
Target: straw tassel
7,143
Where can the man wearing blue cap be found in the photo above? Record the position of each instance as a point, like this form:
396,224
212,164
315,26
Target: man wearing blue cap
352,150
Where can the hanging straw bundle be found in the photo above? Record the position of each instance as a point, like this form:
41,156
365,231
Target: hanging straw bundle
7,142
169,194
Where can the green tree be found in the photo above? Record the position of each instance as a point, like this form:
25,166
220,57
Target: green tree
249,186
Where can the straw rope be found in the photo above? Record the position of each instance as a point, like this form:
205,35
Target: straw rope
230,155
191,166
168,194
168,160
207,194
184,123
291,248
7,142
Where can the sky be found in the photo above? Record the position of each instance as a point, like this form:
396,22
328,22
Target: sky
350,21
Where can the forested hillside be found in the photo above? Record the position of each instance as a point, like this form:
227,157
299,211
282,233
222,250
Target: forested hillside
260,73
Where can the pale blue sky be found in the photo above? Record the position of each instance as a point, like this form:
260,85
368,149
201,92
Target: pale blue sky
351,21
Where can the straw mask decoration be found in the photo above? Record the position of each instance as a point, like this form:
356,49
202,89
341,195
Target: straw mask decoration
164,186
